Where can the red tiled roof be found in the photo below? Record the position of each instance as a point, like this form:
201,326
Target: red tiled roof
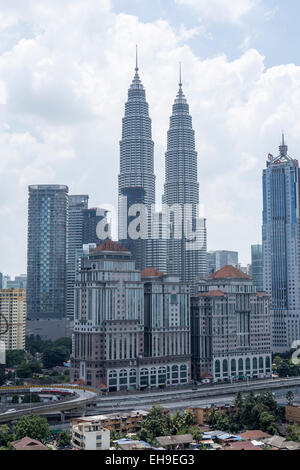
109,245
213,293
28,444
242,446
151,272
229,272
253,435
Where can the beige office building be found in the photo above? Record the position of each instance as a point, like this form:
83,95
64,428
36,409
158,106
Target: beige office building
13,308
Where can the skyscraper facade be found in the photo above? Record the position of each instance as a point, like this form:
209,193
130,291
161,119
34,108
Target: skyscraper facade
91,219
216,260
13,307
77,204
186,258
281,246
137,169
46,263
257,266
231,328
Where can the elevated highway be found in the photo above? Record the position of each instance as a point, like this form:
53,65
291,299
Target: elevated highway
88,401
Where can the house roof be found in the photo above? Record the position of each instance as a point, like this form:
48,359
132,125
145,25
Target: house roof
175,440
242,446
229,272
275,441
151,272
109,245
28,444
253,435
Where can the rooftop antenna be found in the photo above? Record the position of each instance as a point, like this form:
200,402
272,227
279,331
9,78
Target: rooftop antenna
180,77
136,59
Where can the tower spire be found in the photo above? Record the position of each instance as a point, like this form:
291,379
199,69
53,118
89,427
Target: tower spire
180,76
136,59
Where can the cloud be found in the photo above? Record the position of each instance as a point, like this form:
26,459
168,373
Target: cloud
221,10
63,85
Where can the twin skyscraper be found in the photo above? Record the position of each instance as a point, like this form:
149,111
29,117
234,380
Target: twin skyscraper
174,239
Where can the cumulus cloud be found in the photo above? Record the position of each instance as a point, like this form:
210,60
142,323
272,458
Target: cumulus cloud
63,85
221,10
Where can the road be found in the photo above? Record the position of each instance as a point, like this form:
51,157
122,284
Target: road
172,399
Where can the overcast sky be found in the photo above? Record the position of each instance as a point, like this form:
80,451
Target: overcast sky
65,68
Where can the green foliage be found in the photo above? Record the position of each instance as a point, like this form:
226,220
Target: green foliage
254,412
2,377
54,353
195,431
5,436
32,426
31,398
63,439
284,367
293,432
14,358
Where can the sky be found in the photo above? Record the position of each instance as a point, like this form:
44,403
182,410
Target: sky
65,68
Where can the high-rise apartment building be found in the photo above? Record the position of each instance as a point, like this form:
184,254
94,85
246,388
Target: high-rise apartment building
129,332
216,260
257,267
13,307
281,246
167,328
231,328
92,219
136,178
77,205
185,257
46,263
109,319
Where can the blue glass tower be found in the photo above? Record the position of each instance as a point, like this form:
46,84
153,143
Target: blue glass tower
281,247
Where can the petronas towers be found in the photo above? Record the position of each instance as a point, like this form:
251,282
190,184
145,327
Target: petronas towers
174,240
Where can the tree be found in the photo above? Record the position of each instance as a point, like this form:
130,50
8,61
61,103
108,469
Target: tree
54,357
63,439
293,432
31,398
178,423
32,426
5,435
238,402
14,358
24,371
195,431
2,377
154,425
189,418
290,397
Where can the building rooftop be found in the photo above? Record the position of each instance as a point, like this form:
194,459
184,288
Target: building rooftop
110,246
28,444
151,272
175,440
129,414
229,272
253,435
212,293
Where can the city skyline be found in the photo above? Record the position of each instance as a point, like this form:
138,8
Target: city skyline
55,123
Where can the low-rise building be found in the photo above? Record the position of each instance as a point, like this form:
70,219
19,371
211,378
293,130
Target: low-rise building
231,328
202,413
90,435
126,423
292,413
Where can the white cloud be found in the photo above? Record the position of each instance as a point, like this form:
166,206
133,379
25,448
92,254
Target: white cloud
63,86
221,10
